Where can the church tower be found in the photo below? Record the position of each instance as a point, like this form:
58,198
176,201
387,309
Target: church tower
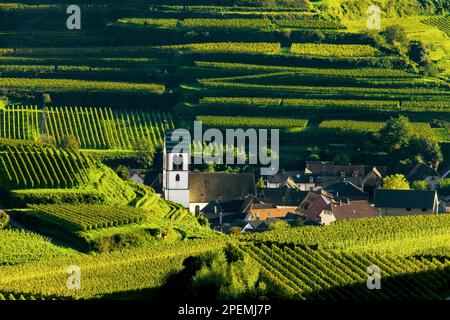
176,171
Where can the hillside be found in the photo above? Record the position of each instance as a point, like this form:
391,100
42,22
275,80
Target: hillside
83,110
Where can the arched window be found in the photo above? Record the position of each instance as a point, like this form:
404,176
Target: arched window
197,209
177,177
177,162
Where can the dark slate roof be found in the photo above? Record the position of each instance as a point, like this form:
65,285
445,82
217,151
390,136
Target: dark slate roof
319,167
283,176
421,171
227,206
206,187
347,190
283,196
157,183
385,198
229,218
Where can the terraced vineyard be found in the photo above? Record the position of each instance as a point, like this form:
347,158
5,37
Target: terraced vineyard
304,273
26,167
76,105
88,217
94,128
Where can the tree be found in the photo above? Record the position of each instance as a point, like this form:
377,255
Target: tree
430,69
342,158
395,34
418,52
261,184
444,187
70,142
123,172
420,185
145,152
396,182
46,99
396,134
4,219
47,139
426,148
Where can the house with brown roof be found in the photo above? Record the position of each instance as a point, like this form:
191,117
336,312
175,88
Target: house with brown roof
218,186
270,213
346,210
322,208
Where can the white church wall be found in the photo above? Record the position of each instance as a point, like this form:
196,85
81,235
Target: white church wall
178,196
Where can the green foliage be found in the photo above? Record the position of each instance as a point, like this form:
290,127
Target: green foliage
18,246
223,279
279,225
70,142
396,182
4,219
317,274
252,122
230,47
93,128
420,185
64,85
402,235
444,187
26,167
88,217
46,99
123,172
334,50
396,134
261,184
121,271
395,34
342,158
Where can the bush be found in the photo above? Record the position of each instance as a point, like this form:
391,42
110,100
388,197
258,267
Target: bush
46,99
123,173
396,182
395,34
420,185
4,219
71,143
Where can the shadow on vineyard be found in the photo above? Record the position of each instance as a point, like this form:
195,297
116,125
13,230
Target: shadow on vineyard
424,285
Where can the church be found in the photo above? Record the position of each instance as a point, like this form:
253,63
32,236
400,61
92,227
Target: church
195,190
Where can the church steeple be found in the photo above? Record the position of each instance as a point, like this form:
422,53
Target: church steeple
176,171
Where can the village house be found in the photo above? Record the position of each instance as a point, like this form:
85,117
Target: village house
271,213
293,180
406,202
365,177
346,190
422,172
322,208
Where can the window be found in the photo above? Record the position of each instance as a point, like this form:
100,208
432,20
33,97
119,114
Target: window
408,209
177,161
177,177
197,209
